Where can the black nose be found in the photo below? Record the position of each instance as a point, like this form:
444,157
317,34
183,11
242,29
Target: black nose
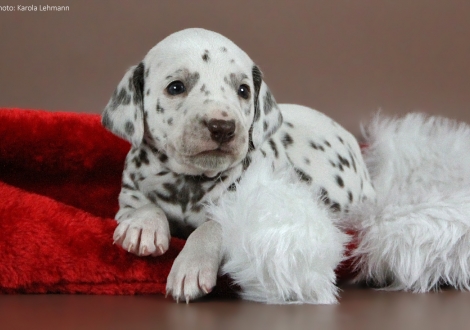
221,130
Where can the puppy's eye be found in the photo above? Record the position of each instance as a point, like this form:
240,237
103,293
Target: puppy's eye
175,88
244,91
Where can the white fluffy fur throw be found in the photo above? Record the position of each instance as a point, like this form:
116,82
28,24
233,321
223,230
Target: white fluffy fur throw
416,236
281,246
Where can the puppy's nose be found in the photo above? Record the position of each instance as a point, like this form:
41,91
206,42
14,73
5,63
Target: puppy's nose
221,130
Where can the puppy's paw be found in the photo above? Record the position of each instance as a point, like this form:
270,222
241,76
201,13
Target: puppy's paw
192,275
144,231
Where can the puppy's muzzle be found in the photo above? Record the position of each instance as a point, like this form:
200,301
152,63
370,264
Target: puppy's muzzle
222,131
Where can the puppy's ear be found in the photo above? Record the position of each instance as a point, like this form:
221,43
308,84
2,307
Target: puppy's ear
267,118
124,114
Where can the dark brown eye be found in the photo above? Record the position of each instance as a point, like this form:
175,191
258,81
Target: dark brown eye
175,88
244,91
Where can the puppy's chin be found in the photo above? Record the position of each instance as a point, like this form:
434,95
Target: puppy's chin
208,163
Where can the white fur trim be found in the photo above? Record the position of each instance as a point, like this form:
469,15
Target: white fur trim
417,234
281,245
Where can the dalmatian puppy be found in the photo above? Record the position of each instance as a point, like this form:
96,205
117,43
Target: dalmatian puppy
195,110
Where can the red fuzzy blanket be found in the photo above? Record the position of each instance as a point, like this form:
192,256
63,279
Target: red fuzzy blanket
60,176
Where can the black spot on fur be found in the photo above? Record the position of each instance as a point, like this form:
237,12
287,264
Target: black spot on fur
353,161
141,158
232,187
350,196
264,153
327,144
162,173
191,81
129,128
303,176
307,161
287,140
138,83
273,146
269,102
171,188
343,160
147,72
159,107
316,146
289,124
205,56
246,162
106,121
130,84
203,88
135,197
123,97
170,121
163,158
324,196
257,80
234,80
340,140
127,186
224,49
335,207
340,181
265,126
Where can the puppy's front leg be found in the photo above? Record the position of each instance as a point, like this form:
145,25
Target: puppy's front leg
143,226
194,271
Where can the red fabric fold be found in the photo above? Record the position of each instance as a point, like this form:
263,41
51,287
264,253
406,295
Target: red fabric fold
60,177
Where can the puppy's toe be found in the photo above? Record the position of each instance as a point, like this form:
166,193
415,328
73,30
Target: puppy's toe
147,242
131,242
207,279
162,242
120,233
191,289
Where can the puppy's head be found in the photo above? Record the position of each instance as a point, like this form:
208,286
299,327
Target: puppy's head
199,99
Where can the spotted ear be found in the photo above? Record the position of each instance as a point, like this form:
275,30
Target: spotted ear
124,113
267,118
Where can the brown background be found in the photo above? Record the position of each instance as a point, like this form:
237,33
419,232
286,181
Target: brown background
345,58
